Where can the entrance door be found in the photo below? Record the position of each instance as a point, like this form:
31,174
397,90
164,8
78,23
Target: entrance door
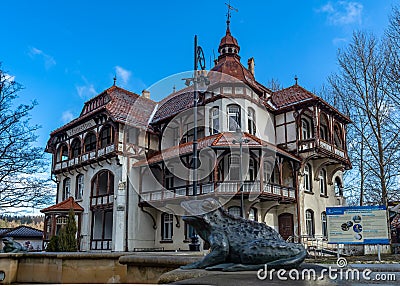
285,222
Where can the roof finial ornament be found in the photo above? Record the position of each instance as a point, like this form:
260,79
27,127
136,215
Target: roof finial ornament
115,79
228,15
174,89
296,79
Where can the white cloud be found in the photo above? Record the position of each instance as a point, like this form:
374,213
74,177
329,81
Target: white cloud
86,91
49,61
123,74
67,116
342,12
339,41
8,77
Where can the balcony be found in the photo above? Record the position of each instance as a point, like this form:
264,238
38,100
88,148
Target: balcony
102,200
311,144
269,191
84,158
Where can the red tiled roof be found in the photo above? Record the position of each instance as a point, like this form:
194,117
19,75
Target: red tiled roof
64,206
291,95
123,106
228,39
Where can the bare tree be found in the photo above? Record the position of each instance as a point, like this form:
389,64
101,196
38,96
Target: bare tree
364,91
22,166
274,84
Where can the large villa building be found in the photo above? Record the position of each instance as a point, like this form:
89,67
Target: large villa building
124,164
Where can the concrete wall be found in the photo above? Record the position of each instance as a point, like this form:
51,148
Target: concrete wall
62,268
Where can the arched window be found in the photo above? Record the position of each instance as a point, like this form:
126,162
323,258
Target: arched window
234,119
66,188
307,180
106,136
338,187
76,148
324,224
323,127
310,226
90,142
287,174
322,182
79,187
214,120
305,128
253,214
275,175
337,137
62,153
236,211
103,184
251,121
167,221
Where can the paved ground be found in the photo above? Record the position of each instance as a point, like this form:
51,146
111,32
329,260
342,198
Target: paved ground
373,275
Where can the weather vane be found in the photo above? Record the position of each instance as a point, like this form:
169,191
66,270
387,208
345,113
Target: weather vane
230,8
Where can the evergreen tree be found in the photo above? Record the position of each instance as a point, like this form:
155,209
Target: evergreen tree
52,246
67,236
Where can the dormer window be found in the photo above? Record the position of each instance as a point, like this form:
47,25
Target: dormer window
234,117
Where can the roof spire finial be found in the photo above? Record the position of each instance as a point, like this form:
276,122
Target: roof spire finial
115,80
296,79
174,88
228,15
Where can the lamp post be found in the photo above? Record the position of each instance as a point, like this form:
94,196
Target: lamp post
197,79
240,141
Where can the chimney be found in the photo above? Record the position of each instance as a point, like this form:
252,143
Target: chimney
146,93
250,63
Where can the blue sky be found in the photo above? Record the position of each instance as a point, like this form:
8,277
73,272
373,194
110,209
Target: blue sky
65,52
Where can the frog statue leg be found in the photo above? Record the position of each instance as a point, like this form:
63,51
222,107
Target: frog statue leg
219,252
274,254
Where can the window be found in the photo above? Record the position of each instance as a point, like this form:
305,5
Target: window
337,137
167,221
102,229
79,187
188,231
310,223
253,214
323,127
267,172
234,117
275,175
103,184
251,122
66,188
62,153
338,187
305,129
60,222
234,168
322,181
76,148
287,174
169,178
324,224
90,142
106,136
252,174
236,211
214,120
307,180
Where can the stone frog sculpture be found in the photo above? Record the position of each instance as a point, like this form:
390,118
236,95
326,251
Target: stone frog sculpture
11,246
238,244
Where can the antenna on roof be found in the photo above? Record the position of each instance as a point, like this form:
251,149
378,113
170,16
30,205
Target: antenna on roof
228,15
296,79
215,59
115,79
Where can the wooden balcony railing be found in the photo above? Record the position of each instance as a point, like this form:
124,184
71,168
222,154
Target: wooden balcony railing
84,157
222,188
311,143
